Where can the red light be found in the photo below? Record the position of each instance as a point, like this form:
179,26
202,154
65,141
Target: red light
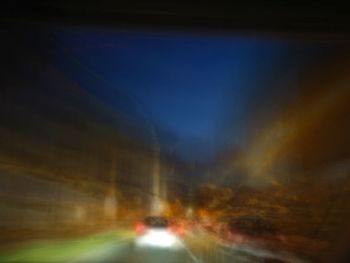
178,230
172,229
181,230
140,228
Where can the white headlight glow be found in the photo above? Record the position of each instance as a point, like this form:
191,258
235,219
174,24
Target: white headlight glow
160,239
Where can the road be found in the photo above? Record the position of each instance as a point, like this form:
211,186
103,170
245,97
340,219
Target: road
119,247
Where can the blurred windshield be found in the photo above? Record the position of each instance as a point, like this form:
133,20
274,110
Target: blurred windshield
156,222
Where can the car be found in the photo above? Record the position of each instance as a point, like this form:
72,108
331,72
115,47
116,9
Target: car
157,231
151,222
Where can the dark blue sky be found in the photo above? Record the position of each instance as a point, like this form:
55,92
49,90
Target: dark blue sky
182,80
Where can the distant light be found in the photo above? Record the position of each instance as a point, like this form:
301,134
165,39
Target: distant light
160,239
189,212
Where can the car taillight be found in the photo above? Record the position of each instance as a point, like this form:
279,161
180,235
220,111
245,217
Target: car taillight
178,230
140,228
181,230
172,229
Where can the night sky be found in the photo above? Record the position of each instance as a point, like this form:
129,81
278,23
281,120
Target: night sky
182,82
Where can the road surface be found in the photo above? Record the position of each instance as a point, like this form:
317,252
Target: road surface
119,247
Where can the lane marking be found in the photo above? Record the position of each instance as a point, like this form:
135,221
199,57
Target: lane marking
193,257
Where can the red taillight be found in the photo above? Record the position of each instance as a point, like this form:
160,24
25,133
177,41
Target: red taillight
140,228
181,230
178,230
172,229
